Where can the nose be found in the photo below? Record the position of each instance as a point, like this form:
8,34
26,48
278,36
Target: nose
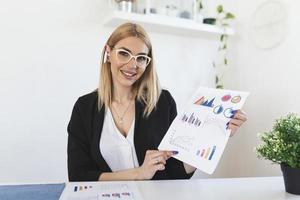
132,62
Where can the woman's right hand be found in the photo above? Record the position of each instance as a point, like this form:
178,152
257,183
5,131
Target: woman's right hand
154,161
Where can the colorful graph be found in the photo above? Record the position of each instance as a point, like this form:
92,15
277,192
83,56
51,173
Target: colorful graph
207,153
81,188
199,101
218,109
226,97
202,101
191,120
236,99
228,112
209,103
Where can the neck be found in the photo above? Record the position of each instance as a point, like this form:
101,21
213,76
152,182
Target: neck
122,94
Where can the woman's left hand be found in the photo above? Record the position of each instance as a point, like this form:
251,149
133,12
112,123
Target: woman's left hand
237,120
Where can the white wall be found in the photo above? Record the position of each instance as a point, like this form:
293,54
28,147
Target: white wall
49,56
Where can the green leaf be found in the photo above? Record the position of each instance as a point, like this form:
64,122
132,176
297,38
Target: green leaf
217,80
222,37
200,5
220,9
225,46
225,61
229,16
220,87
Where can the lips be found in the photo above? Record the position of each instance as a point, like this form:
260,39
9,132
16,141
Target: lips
128,74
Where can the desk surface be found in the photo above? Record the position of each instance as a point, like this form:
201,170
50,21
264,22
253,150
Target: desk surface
263,188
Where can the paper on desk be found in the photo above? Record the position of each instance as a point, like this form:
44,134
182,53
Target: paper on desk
101,190
199,133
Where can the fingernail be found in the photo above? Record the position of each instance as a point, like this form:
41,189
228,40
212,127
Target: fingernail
233,111
175,152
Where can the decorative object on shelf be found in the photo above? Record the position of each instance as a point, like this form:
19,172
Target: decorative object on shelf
281,145
268,26
186,9
221,64
172,10
125,5
211,21
197,11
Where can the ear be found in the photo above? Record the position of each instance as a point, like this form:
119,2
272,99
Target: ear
107,53
107,49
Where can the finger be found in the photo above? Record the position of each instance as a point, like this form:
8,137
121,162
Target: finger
233,129
241,112
166,154
156,154
148,152
170,153
232,133
236,122
158,160
240,116
159,167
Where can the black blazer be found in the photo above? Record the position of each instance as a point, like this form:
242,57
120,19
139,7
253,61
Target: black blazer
85,162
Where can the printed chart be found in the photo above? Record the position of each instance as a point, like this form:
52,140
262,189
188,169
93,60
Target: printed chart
200,132
100,191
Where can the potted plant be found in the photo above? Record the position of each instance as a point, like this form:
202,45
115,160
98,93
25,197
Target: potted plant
282,145
221,64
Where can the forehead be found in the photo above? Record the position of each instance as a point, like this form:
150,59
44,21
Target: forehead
134,44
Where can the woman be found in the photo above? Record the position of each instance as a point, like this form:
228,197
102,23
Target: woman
114,132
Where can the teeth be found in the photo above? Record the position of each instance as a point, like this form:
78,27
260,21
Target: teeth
128,74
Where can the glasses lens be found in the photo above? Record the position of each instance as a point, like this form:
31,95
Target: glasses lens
142,61
123,56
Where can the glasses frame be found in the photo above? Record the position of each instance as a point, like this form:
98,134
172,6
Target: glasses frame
132,56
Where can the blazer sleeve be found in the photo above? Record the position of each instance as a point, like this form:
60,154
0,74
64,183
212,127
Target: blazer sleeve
174,167
81,166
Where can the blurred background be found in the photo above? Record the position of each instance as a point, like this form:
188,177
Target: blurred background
50,53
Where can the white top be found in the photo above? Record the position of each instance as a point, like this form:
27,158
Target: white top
118,151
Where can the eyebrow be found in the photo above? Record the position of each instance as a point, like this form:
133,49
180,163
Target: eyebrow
142,53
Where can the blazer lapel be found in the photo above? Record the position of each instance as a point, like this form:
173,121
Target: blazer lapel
140,141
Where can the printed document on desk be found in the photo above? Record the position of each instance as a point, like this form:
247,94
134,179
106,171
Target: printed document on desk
200,132
101,190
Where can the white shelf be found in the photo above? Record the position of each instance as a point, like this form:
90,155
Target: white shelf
165,24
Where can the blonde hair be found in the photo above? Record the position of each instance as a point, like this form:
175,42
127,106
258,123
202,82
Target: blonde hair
147,88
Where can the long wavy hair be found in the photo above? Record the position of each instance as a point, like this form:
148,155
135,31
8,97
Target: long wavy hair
147,88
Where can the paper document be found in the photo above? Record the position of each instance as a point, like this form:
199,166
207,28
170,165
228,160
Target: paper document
200,133
100,190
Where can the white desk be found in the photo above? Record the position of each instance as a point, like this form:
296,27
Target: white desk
264,188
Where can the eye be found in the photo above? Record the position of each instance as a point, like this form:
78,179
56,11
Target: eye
123,53
142,59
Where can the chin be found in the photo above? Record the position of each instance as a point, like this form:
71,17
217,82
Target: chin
127,83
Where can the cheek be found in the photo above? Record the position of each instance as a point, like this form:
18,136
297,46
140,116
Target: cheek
140,73
115,68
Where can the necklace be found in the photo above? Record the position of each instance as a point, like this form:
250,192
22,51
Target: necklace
121,118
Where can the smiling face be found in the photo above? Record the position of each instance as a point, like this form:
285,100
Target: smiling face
125,74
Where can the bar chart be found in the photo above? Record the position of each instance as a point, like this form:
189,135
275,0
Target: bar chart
191,119
206,153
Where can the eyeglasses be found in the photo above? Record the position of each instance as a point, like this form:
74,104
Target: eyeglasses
124,57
